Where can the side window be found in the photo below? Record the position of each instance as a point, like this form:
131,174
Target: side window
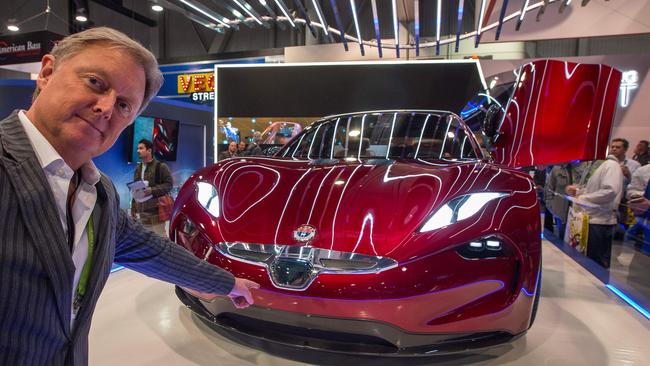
318,142
300,148
429,140
352,138
456,144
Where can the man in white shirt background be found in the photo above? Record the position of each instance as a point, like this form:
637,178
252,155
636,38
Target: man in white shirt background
599,199
618,148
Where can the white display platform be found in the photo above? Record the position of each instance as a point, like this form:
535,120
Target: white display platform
139,321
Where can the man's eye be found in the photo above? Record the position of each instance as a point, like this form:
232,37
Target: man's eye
124,106
95,82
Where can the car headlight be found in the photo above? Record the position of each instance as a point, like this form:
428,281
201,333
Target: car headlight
460,208
207,196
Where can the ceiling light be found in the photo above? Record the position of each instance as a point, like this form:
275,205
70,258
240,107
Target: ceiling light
395,28
320,16
353,7
208,13
438,16
157,8
479,27
375,20
461,7
305,16
81,14
416,27
339,24
12,25
247,10
285,11
522,14
504,6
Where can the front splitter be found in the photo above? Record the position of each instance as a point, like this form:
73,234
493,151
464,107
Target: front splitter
257,327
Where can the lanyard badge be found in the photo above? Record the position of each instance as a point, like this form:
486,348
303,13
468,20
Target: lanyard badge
85,272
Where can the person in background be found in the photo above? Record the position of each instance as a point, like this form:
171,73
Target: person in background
282,139
618,148
62,226
160,182
599,198
254,147
231,152
642,152
538,173
557,180
638,196
241,149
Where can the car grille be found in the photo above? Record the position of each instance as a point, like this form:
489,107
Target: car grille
295,267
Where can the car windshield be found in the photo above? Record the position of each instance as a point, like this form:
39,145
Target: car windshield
388,135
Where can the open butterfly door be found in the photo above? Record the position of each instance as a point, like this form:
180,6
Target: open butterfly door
558,111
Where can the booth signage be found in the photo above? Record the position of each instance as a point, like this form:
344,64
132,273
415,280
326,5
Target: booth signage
629,82
26,47
194,81
199,86
202,97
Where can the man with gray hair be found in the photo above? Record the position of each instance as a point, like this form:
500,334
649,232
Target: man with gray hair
61,223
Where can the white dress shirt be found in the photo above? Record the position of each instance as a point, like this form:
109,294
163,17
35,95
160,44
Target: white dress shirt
639,182
637,188
602,193
59,175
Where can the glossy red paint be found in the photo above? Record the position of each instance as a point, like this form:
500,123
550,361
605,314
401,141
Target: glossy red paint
355,207
364,207
560,111
378,210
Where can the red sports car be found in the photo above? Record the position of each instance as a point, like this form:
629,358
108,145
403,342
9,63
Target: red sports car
392,232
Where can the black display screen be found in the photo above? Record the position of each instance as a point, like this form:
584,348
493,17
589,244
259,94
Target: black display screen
320,90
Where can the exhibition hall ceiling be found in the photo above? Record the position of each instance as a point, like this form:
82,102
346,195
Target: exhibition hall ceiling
183,31
415,24
394,24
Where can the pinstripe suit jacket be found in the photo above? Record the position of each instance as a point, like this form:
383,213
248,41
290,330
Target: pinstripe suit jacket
36,268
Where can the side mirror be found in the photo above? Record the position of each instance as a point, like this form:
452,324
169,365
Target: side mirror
490,125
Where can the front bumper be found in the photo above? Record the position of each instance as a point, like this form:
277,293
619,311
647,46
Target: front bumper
340,335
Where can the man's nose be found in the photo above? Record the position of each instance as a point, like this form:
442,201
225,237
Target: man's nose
105,104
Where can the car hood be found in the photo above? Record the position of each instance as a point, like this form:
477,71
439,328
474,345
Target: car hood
353,206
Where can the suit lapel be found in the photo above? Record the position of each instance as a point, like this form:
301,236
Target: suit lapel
39,213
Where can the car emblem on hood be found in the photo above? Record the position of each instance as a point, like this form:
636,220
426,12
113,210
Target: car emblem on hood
304,233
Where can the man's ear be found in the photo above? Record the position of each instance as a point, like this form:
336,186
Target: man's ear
47,69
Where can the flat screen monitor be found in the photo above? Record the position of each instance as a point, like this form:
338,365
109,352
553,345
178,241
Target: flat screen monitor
163,133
